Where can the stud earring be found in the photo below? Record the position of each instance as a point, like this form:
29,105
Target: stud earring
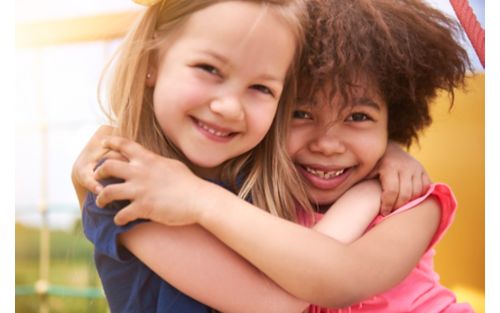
148,76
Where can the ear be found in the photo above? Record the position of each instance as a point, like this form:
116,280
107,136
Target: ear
151,77
152,69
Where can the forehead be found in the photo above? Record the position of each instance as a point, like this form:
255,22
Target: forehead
242,32
347,97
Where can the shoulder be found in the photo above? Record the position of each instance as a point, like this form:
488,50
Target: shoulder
434,212
440,193
100,229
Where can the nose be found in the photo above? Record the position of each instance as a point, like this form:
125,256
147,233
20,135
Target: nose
229,107
327,141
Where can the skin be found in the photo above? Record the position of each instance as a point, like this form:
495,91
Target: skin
216,91
174,253
337,275
334,148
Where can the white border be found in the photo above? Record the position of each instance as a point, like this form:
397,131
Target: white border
7,135
492,115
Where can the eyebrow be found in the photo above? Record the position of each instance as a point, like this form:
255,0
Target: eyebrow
364,101
216,56
225,61
270,78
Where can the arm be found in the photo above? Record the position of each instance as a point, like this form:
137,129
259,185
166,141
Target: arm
306,263
174,254
349,217
314,266
198,264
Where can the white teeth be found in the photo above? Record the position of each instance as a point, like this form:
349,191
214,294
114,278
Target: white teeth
323,174
213,131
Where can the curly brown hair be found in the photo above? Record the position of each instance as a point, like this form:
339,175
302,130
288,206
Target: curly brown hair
409,49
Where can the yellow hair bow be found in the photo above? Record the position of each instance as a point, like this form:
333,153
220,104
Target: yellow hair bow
147,3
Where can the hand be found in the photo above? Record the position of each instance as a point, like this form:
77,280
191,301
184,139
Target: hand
82,173
403,178
160,189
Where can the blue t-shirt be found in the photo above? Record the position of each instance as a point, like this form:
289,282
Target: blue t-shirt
129,285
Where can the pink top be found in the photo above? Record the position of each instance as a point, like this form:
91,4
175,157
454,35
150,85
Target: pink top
420,292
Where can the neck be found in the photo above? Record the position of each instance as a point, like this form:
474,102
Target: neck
322,208
206,173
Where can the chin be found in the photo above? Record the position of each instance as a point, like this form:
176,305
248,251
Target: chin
205,168
323,200
327,197
204,161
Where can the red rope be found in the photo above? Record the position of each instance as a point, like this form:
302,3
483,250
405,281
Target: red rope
471,26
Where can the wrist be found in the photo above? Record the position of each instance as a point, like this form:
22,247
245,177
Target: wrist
203,203
209,208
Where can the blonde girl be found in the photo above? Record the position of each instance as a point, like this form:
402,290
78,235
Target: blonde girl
200,82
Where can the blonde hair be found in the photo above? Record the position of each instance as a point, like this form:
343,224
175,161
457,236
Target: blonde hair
269,177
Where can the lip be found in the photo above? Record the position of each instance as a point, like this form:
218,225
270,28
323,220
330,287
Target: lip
323,183
214,132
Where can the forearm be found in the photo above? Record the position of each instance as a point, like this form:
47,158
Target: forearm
198,264
295,257
311,265
349,217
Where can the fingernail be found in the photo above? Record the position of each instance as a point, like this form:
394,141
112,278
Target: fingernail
98,204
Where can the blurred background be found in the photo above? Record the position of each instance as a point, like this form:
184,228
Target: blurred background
61,49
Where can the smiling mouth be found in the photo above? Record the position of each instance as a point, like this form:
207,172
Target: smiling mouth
324,174
214,131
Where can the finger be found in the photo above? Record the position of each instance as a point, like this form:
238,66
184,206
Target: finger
113,155
93,147
113,168
128,214
390,191
126,147
96,155
83,175
115,192
405,189
426,181
89,182
418,186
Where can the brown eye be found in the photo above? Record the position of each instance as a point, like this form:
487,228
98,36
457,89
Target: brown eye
263,89
358,117
299,114
209,69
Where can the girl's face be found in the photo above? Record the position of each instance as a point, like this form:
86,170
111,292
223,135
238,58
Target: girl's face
334,149
218,82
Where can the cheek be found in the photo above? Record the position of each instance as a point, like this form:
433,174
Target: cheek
294,142
260,119
180,93
372,148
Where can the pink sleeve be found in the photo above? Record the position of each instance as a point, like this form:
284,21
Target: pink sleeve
448,205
